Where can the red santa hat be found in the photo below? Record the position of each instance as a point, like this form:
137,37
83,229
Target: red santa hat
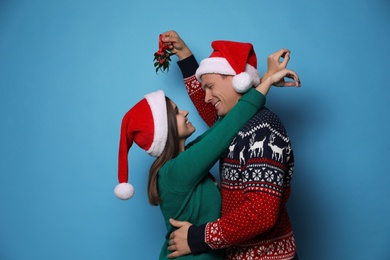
146,124
237,59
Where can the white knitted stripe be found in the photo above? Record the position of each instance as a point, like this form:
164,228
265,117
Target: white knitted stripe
263,125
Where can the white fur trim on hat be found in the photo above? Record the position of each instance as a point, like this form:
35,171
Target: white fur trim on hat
124,191
241,82
156,101
214,65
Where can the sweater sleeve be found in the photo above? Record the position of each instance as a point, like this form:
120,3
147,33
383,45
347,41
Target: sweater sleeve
188,68
189,167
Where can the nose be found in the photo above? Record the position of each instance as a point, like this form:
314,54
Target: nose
207,97
184,112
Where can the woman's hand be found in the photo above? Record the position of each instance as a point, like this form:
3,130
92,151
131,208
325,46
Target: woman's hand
279,77
276,62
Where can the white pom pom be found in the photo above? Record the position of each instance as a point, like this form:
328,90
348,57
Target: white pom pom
242,82
124,191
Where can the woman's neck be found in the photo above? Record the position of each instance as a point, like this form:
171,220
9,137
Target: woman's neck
182,145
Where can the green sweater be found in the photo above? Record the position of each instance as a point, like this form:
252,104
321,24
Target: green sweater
186,189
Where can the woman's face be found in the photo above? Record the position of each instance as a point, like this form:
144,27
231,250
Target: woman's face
184,126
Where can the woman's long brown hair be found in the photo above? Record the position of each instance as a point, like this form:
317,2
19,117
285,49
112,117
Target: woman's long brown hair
170,151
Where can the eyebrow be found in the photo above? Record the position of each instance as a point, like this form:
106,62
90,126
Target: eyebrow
208,85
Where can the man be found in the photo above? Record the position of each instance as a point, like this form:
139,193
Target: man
257,168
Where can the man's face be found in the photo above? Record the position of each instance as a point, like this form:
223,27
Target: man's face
220,92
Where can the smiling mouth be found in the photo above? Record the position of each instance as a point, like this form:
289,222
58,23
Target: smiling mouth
217,104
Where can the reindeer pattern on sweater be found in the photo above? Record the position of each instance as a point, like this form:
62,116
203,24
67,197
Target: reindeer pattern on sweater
262,138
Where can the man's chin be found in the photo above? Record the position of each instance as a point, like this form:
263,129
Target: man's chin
220,113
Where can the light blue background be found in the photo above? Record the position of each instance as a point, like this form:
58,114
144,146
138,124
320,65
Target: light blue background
69,70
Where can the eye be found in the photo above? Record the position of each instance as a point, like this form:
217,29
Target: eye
208,86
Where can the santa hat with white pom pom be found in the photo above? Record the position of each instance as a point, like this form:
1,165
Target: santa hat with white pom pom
237,59
145,124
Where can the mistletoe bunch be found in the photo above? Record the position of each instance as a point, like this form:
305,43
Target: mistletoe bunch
162,57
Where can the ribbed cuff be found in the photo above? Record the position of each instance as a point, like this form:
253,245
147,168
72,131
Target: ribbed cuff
195,238
188,66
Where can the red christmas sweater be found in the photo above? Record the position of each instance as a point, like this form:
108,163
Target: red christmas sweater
255,175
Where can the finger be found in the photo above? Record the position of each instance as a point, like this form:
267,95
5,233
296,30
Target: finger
173,222
169,33
176,223
165,36
172,235
172,248
283,83
286,59
173,255
285,52
281,53
294,76
289,84
168,41
297,81
279,83
169,38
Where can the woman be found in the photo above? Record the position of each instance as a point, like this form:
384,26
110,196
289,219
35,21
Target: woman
179,180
